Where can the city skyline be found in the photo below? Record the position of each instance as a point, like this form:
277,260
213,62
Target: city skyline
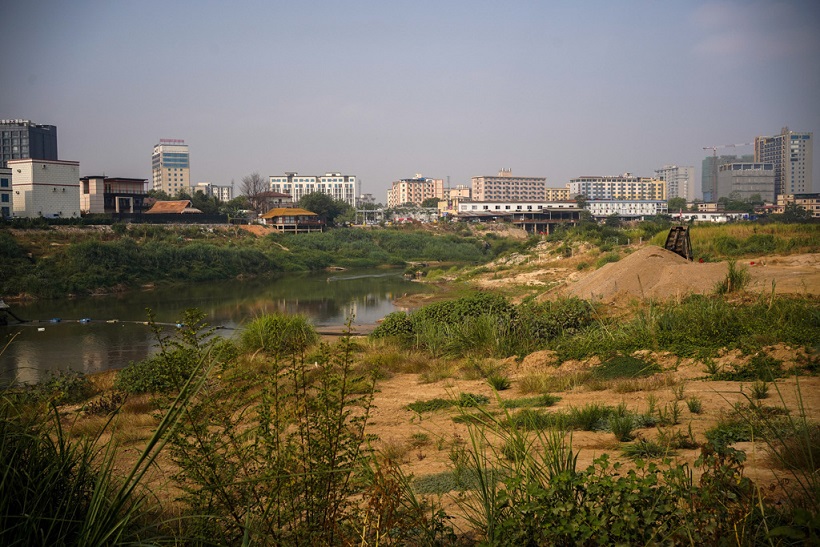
386,90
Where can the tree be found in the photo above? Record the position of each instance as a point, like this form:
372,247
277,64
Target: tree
207,204
795,213
158,195
582,201
232,207
430,202
613,221
676,204
252,186
324,206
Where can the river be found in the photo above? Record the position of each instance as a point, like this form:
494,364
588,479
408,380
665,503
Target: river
100,333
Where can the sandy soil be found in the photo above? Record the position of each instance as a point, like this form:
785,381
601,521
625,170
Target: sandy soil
653,272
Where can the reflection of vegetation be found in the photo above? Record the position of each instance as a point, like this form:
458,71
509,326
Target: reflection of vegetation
48,263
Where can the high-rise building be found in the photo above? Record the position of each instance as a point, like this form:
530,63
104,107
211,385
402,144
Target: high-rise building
506,187
680,181
336,185
744,180
791,155
23,139
171,167
709,170
624,186
414,191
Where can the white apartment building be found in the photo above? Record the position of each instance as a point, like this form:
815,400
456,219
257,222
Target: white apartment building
336,185
222,193
512,206
506,187
622,187
171,167
626,208
414,191
680,181
47,188
6,194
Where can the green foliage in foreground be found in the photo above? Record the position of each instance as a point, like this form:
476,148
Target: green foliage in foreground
483,324
698,326
180,356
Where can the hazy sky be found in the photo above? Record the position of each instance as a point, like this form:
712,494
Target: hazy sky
387,89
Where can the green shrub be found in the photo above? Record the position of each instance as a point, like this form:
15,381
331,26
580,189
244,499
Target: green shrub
499,382
526,402
466,400
622,427
430,405
278,335
695,405
396,324
67,387
590,417
181,355
760,367
606,259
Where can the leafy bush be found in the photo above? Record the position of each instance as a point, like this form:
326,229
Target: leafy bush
180,356
544,322
396,324
67,387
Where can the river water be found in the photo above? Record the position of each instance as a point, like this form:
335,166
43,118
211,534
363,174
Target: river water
115,333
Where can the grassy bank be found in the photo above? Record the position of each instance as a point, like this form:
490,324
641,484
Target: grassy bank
58,262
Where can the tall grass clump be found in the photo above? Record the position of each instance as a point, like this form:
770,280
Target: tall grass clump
289,441
278,335
736,279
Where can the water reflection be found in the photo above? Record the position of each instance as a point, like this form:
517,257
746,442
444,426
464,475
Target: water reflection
117,335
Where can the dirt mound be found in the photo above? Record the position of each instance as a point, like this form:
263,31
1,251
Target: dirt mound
651,272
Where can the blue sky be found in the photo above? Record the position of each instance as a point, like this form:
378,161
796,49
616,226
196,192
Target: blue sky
387,89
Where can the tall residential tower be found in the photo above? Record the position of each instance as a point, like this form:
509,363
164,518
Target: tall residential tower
680,181
170,167
791,155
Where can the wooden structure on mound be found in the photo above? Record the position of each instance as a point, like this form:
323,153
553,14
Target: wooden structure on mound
679,243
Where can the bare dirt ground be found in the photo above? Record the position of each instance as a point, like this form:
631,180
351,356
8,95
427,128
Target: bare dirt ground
424,442
648,272
400,429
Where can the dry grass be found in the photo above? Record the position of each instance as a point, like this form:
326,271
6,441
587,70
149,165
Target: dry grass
651,383
550,383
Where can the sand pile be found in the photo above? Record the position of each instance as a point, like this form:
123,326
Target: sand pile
651,272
